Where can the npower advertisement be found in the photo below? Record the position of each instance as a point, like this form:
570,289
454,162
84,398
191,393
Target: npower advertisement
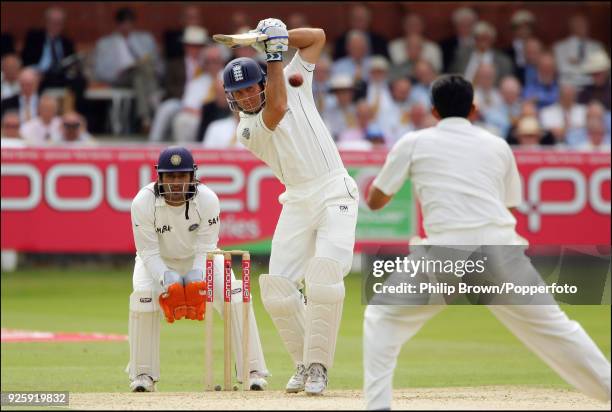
78,200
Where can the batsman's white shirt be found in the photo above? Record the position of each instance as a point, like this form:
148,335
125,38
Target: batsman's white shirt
301,148
166,240
464,176
320,202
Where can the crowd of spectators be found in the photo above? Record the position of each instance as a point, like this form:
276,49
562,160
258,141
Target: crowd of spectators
370,90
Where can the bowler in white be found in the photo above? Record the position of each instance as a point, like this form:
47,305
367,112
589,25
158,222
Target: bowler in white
466,179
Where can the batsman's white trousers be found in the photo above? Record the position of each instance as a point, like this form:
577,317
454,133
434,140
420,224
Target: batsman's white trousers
318,220
545,329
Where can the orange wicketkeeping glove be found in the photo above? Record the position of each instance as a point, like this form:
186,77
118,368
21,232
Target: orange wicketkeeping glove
195,295
172,300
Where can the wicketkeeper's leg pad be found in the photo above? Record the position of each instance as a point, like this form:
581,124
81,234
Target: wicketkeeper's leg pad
325,296
285,304
143,333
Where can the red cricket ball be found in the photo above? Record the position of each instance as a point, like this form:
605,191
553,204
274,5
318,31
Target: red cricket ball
296,80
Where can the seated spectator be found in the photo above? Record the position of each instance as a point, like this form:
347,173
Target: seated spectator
215,110
7,44
179,72
198,92
533,52
596,115
11,66
339,113
468,59
52,53
10,130
572,52
412,24
528,132
561,117
486,94
355,136
505,115
420,118
394,118
175,39
414,53
424,75
598,67
44,128
26,102
523,23
529,109
129,58
221,133
597,140
357,63
73,129
378,93
320,82
238,20
360,19
464,19
544,90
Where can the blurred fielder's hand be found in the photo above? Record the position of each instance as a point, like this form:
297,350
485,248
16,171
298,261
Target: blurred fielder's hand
172,298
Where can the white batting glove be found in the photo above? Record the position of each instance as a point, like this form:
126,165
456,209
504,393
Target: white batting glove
278,38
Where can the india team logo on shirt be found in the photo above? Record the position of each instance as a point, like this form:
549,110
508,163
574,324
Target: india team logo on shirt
175,160
246,133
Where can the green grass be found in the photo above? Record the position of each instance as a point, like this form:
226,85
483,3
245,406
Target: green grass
462,346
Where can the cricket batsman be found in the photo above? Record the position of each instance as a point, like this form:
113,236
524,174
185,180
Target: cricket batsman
466,180
175,221
315,234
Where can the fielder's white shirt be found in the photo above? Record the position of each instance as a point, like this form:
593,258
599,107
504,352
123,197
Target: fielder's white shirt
463,176
164,237
300,148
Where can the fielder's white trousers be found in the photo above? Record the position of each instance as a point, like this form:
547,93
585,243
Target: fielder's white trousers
545,329
318,220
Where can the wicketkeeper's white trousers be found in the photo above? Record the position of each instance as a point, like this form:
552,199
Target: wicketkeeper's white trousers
545,329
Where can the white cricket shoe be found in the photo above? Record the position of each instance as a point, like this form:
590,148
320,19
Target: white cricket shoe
297,381
257,381
317,379
142,383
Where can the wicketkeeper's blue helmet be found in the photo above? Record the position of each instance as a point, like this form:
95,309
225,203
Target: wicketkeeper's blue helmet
238,74
177,159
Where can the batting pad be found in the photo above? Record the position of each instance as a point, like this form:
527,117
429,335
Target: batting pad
256,357
143,333
285,304
325,291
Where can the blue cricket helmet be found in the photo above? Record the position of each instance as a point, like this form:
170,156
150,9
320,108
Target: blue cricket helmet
175,159
242,72
238,74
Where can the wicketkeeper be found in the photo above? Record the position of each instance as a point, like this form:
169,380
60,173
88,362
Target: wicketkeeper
175,221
